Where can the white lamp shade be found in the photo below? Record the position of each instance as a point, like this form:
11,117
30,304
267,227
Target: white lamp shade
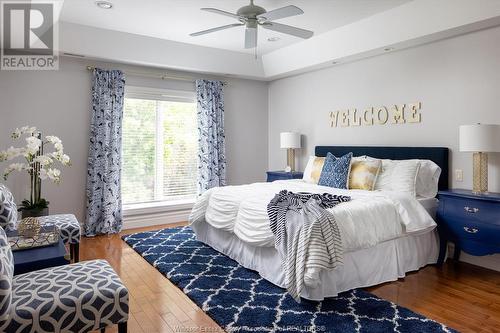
480,138
289,140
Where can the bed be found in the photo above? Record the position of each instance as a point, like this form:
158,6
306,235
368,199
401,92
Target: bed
234,221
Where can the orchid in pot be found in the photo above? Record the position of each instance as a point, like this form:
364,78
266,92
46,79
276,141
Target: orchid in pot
38,162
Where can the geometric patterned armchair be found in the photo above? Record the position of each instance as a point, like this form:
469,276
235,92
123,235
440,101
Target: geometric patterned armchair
70,230
79,297
8,209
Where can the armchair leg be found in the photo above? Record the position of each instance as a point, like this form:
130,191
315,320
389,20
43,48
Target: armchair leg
122,327
103,330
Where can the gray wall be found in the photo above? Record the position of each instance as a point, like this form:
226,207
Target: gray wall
457,80
58,103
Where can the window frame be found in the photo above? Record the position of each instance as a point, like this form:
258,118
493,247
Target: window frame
168,95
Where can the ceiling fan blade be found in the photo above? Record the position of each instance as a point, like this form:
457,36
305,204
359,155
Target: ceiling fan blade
221,12
199,33
281,13
288,29
250,38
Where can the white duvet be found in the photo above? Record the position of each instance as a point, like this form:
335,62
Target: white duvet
371,217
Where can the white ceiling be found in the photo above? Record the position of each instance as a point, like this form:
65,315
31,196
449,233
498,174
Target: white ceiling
176,19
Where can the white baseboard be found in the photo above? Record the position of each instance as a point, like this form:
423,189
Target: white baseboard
148,220
489,261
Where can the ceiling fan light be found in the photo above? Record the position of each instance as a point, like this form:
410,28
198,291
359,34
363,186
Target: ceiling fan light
252,16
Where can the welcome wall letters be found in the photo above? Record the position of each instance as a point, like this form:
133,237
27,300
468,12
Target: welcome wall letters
398,114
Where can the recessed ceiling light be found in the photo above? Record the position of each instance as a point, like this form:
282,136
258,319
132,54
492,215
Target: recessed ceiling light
273,39
104,4
387,49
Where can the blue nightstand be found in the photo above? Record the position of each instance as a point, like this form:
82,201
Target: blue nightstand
470,221
281,175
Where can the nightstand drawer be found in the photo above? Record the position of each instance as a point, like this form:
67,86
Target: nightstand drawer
472,230
472,210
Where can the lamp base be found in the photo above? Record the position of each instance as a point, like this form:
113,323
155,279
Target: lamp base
290,158
480,173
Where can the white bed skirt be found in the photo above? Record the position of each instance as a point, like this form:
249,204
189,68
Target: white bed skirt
384,262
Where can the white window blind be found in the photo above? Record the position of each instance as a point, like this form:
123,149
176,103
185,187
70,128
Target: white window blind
160,146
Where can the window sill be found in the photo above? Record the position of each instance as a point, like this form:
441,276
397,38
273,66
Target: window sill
157,207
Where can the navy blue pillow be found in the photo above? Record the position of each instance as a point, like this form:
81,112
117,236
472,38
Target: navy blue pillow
335,172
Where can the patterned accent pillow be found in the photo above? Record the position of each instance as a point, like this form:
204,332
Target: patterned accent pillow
313,169
335,171
6,274
8,209
364,172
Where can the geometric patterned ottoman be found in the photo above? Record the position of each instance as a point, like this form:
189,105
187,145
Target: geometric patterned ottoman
70,231
79,297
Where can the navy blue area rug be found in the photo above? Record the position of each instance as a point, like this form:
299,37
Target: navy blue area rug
239,300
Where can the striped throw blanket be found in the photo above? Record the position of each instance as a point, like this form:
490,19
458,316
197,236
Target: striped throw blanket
306,234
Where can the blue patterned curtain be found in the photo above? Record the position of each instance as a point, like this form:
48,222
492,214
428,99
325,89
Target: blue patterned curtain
104,206
211,148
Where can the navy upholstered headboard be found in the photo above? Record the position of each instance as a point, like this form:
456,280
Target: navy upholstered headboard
438,155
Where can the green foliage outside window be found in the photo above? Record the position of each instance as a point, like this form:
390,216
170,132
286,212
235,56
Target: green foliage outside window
177,180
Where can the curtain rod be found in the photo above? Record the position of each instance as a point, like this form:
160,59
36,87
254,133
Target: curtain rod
158,76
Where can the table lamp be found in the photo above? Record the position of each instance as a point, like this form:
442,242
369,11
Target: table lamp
290,141
480,139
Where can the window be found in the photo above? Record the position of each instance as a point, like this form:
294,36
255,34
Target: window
160,146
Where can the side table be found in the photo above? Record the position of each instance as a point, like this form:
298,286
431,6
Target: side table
39,257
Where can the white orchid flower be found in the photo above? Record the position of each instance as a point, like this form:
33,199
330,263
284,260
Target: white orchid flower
59,147
44,160
16,134
34,141
30,150
12,153
18,166
3,156
15,167
43,174
61,157
53,139
33,144
54,174
65,160
23,130
28,130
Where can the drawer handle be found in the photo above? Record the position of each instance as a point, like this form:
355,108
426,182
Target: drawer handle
471,210
471,230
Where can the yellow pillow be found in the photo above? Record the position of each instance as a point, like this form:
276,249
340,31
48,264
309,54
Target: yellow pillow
364,172
313,169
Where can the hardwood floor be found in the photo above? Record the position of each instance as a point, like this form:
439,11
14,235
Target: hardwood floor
462,296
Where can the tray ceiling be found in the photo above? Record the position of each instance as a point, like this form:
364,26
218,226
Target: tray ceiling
175,19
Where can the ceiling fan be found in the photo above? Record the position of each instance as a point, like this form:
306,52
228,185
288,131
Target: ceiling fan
252,16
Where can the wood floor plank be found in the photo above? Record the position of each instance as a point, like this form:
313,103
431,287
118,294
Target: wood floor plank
459,295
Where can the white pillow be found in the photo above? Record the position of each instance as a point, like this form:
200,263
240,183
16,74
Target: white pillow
398,176
428,179
384,176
